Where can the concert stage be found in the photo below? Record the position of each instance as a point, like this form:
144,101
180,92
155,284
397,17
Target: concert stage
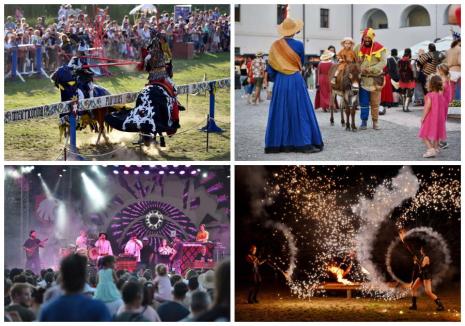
152,202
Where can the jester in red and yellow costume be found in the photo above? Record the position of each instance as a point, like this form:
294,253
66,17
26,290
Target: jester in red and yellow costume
373,58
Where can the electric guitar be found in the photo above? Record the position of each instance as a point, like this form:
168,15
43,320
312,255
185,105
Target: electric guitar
30,251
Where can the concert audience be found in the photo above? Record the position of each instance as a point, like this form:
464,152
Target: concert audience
69,297
21,302
199,303
133,308
73,305
175,310
162,284
106,287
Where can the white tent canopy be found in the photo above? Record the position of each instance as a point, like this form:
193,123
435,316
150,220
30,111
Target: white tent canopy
441,45
147,8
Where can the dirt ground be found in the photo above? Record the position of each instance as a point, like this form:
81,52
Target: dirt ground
282,306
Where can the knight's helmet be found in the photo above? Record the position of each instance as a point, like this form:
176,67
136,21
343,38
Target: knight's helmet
155,60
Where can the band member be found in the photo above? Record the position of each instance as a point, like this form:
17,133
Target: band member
81,241
103,246
133,247
202,235
146,254
164,253
422,274
204,255
31,247
176,256
255,278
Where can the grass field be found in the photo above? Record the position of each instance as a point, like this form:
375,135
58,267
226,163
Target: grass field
283,307
39,139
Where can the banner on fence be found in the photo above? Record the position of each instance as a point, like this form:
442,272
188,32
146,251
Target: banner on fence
101,102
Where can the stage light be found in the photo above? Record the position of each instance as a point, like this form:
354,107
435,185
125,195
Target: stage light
13,173
182,172
115,172
193,172
94,168
198,170
136,172
62,222
126,172
172,172
61,175
161,172
96,196
26,169
205,174
47,191
146,172
64,170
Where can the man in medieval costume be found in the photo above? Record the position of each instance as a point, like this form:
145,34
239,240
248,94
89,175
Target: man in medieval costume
373,58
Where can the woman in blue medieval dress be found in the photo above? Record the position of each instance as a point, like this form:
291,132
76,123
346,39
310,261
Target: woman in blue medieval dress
292,124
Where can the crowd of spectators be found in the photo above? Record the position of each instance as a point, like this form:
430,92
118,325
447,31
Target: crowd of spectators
73,29
79,293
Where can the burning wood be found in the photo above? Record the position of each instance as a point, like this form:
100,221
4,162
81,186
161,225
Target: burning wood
339,273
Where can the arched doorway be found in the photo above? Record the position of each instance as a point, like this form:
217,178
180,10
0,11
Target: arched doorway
415,16
374,18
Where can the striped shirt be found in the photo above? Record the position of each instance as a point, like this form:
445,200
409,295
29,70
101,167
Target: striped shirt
429,61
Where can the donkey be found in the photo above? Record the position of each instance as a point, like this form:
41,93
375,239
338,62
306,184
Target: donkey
346,88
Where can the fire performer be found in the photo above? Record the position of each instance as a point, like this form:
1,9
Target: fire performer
133,247
202,235
31,247
422,274
103,246
255,278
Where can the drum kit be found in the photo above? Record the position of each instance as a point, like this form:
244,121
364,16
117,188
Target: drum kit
90,252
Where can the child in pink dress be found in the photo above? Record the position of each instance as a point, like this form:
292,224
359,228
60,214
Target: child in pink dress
433,122
443,71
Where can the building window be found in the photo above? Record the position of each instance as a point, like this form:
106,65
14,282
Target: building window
375,18
414,16
324,18
237,13
282,13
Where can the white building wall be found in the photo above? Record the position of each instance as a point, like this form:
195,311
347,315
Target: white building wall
396,36
318,39
257,28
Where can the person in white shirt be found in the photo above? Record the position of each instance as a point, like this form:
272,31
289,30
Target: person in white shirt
103,246
81,241
133,247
